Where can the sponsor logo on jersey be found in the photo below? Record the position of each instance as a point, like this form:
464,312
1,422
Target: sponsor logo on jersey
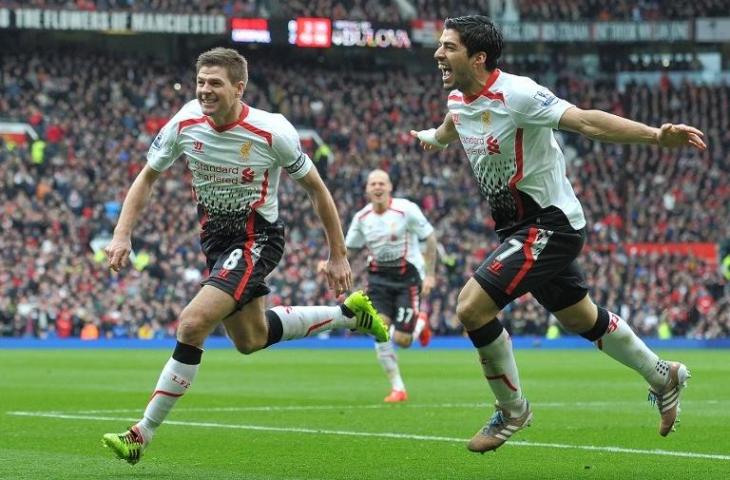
246,149
197,146
545,97
247,175
496,267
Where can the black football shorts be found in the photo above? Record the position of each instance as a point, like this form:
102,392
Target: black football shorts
397,296
239,265
537,260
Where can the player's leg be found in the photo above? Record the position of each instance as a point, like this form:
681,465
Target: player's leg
385,298
253,328
407,305
612,335
247,327
525,259
388,359
197,320
477,311
422,330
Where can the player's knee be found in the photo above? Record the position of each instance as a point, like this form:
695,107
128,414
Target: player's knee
402,340
246,346
191,329
580,317
574,325
467,313
193,326
474,307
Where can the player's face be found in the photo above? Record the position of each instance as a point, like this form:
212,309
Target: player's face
215,92
378,188
457,68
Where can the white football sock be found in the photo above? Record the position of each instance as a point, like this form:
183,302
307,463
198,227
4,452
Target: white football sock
298,322
420,324
500,369
622,344
389,361
174,381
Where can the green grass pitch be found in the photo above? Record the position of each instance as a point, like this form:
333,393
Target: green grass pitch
318,414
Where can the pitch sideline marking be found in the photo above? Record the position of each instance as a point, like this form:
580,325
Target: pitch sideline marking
400,436
283,408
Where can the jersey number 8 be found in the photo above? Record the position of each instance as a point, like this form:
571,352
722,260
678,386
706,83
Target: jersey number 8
232,260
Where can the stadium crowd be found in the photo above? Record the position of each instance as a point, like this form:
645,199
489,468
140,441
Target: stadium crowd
619,10
198,7
390,10
60,195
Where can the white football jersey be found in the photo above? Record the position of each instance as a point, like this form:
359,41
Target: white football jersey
507,133
392,237
235,167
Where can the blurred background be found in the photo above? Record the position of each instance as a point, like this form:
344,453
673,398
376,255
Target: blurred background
85,85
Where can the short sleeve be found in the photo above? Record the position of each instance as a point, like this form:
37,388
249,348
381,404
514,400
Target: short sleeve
531,104
164,149
418,223
355,239
288,150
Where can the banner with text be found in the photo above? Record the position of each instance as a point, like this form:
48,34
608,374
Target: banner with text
122,22
427,32
350,33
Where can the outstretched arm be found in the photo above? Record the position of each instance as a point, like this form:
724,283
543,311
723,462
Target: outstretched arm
339,275
437,138
121,244
607,127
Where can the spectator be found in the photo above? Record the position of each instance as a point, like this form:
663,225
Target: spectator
49,221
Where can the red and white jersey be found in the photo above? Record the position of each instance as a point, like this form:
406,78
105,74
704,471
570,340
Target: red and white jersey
507,132
392,237
235,167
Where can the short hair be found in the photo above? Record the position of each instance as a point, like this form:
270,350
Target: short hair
235,64
478,34
381,172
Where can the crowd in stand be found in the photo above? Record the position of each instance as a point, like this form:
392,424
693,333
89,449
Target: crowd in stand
60,197
619,10
372,10
391,11
208,7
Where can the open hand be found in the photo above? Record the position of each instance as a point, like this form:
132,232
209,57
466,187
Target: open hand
681,135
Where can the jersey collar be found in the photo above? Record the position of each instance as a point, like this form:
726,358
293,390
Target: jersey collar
228,126
485,90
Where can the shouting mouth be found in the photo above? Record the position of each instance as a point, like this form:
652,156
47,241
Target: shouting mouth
446,73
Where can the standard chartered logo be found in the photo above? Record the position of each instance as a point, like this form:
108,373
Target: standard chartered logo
206,173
